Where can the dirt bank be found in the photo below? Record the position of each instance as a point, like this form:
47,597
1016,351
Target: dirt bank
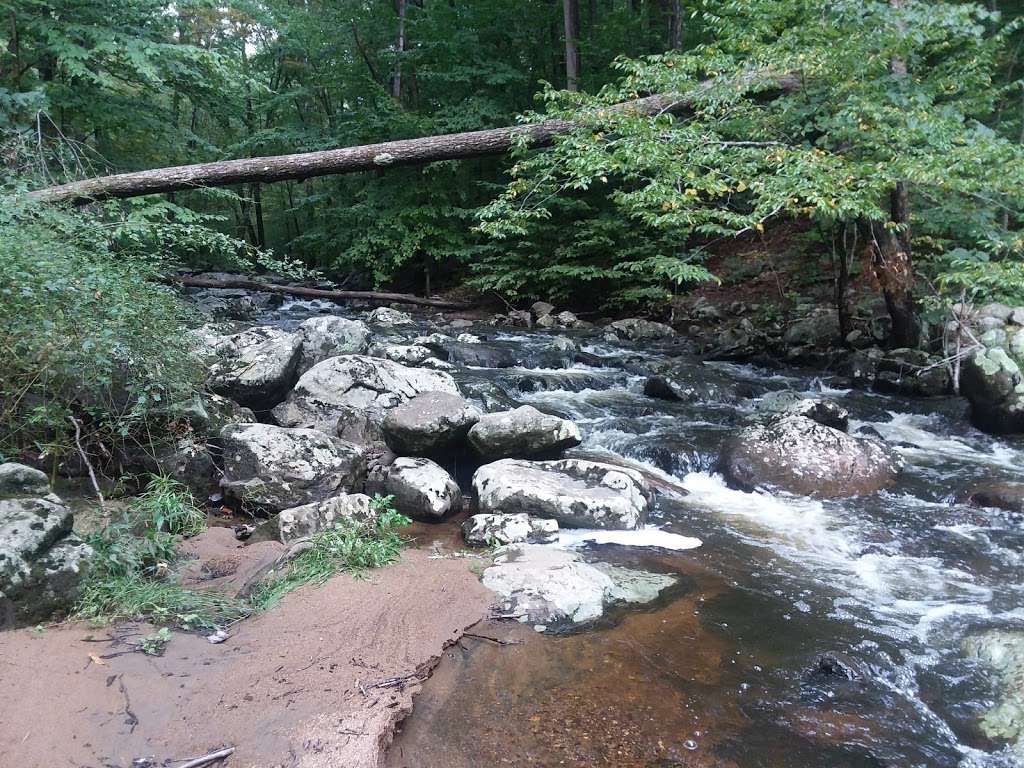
297,686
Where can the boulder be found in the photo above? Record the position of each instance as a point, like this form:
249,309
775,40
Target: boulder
992,381
330,336
1002,653
341,387
429,423
256,367
569,320
208,413
387,317
576,493
542,309
42,563
300,522
421,489
17,480
522,432
460,323
406,354
273,468
542,585
797,455
638,329
521,318
479,356
820,329
1005,496
491,530
914,373
816,409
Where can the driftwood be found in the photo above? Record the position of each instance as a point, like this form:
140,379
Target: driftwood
316,293
220,754
430,149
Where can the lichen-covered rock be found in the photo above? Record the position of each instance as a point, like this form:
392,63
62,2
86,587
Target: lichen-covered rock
522,433
816,409
421,489
42,563
341,386
992,381
300,522
1002,651
820,329
330,336
255,367
542,585
18,480
638,329
274,468
797,455
387,317
576,493
491,530
406,354
429,424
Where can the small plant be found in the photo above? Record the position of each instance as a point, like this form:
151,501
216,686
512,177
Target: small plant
349,545
167,505
154,645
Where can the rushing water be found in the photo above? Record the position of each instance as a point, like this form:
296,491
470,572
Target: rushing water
802,632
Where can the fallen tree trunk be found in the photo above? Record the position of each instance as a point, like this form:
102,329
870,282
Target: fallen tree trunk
430,149
315,293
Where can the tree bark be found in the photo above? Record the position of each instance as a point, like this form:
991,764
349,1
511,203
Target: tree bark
571,15
452,146
315,293
396,76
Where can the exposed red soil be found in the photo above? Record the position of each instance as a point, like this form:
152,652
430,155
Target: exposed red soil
294,686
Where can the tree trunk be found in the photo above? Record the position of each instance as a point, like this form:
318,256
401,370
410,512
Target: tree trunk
674,24
571,15
452,146
890,260
396,77
315,293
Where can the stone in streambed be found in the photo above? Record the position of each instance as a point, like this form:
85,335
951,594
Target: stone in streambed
576,493
430,423
349,384
488,530
421,489
522,433
330,336
274,468
798,455
542,585
300,522
255,367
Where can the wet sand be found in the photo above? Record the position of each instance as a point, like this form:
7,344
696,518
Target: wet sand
294,686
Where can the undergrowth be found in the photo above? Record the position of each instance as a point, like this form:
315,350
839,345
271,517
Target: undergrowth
132,570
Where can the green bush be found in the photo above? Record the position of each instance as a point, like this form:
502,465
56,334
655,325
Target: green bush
167,505
88,332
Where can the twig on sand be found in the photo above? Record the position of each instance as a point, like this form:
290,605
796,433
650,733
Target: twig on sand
391,682
496,640
131,720
198,762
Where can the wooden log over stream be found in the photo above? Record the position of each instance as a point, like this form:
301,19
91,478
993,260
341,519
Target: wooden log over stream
316,293
430,149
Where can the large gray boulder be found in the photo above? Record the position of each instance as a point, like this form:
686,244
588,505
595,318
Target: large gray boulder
638,329
421,489
387,317
341,387
256,367
820,329
491,530
300,522
274,468
789,403
429,424
522,433
542,585
330,336
42,563
1002,653
406,354
991,379
797,455
576,493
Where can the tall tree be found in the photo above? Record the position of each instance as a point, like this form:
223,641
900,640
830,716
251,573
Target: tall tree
571,24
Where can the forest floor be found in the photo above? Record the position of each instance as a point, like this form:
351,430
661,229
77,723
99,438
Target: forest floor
319,680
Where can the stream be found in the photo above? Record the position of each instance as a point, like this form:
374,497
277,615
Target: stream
801,633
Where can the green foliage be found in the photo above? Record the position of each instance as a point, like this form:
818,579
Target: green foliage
349,545
744,155
154,644
167,505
